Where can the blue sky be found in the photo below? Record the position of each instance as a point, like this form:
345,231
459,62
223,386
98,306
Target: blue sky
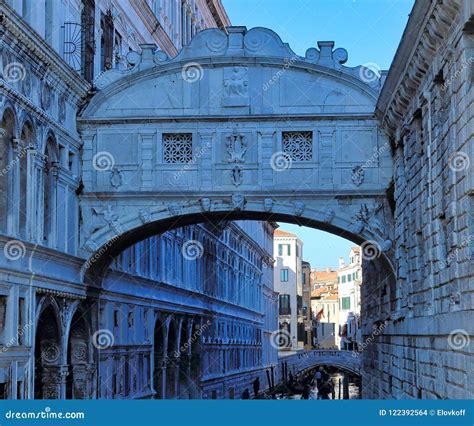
369,30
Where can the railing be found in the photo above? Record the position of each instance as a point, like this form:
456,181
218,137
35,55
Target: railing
73,45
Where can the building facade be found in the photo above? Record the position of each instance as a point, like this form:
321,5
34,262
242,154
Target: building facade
349,280
325,309
307,313
288,281
141,337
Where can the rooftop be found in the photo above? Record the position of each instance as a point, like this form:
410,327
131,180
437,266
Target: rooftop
281,233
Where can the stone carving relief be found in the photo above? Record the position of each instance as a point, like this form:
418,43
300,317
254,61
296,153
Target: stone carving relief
236,86
174,209
79,351
26,82
62,109
236,175
357,175
145,215
115,178
369,218
46,96
238,201
268,204
50,353
236,147
205,204
298,208
112,219
329,215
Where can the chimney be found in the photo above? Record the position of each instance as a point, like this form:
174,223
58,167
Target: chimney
341,262
328,269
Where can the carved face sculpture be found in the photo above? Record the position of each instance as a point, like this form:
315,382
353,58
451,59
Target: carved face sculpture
299,208
206,204
268,204
238,201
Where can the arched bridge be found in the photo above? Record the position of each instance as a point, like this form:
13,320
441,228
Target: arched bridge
236,126
349,361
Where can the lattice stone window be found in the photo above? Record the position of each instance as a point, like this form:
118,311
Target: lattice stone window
177,148
298,145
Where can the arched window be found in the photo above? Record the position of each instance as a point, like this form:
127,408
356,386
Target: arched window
7,132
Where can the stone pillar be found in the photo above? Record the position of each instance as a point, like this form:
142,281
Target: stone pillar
266,139
163,377
147,141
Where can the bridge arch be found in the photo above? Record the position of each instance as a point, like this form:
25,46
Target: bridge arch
236,126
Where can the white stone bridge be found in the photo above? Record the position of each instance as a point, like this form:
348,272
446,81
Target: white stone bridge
349,361
237,126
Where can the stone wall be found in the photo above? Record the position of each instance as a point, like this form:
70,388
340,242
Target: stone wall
423,327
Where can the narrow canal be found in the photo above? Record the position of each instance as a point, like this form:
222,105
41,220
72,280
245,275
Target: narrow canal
334,383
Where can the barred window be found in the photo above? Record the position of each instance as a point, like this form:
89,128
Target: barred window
177,148
298,145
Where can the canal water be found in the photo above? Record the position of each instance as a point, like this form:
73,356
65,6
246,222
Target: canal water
337,378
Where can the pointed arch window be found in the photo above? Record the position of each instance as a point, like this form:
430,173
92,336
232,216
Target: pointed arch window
7,132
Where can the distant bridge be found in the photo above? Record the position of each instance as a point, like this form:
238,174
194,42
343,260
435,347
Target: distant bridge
349,361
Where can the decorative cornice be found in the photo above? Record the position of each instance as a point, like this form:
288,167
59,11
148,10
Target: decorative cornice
218,13
154,27
428,27
40,115
37,47
214,46
62,294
